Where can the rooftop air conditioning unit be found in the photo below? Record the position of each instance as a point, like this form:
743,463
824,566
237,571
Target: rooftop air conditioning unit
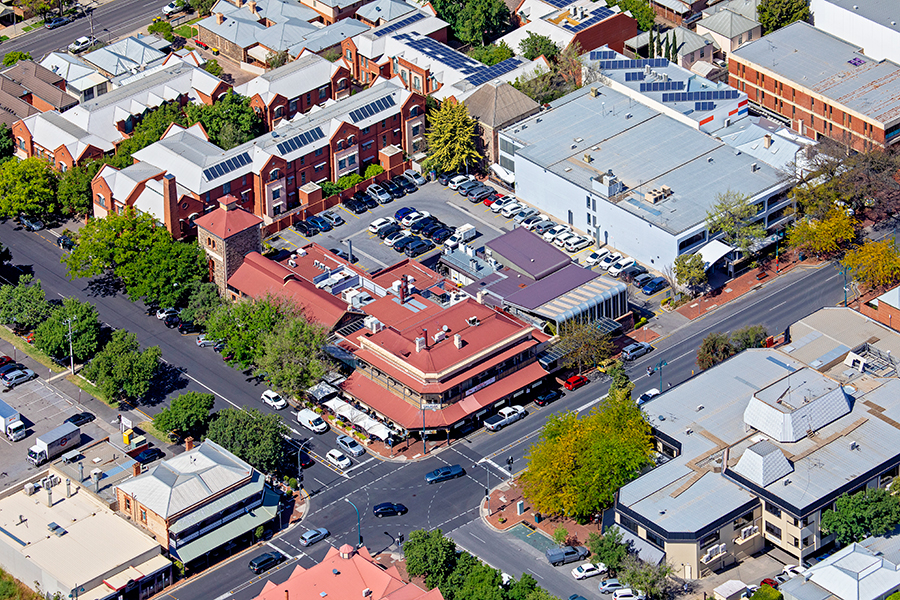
440,335
746,532
420,344
30,489
472,321
291,262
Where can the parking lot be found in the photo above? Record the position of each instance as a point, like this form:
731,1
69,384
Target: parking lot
42,409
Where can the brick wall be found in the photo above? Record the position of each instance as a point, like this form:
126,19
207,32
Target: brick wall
612,31
883,312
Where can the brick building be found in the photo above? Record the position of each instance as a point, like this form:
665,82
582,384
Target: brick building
820,85
227,235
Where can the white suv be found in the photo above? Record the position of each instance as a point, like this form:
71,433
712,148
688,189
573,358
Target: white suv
273,399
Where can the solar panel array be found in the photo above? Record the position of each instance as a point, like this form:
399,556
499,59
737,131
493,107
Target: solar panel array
692,96
602,54
634,76
299,141
372,108
704,105
560,4
597,15
640,63
662,86
441,53
398,25
226,166
856,61
501,68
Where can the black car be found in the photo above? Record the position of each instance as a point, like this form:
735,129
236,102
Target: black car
305,229
149,455
186,327
401,244
304,460
319,223
421,224
408,186
547,397
264,562
388,509
172,321
366,199
418,247
10,367
80,419
445,474
429,230
631,272
444,178
441,235
65,242
389,230
393,189
355,206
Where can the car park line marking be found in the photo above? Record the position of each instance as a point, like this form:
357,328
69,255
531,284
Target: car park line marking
320,482
476,217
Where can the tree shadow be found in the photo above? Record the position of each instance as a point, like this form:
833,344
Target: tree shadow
166,380
104,286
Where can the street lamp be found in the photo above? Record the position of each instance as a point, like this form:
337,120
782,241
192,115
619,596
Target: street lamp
487,490
659,367
844,272
358,531
71,354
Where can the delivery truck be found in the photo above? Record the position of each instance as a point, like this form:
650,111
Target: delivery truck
53,443
11,422
462,235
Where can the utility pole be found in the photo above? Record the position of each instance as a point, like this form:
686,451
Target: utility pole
659,367
71,354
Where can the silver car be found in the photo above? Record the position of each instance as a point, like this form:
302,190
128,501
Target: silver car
379,194
314,535
350,446
416,178
333,218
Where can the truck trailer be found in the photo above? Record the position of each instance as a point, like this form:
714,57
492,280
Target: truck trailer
53,443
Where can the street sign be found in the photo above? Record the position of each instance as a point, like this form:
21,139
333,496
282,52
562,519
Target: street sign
431,406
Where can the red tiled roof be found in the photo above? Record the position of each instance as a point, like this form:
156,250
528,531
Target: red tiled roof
409,416
225,223
422,276
259,276
305,258
339,577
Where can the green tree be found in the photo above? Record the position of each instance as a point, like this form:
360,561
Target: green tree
775,14
11,58
23,306
329,189
535,45
291,354
233,110
203,7
74,190
751,336
540,594
348,181
876,264
619,376
652,579
823,236
584,344
714,348
766,592
7,142
521,589
608,548
451,138
243,325
213,68
640,10
579,463
277,59
203,300
731,214
373,170
866,513
164,29
52,335
894,596
189,414
148,131
429,554
251,435
121,370
477,20
560,534
27,186
491,54
690,271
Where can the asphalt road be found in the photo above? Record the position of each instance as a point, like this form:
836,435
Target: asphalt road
111,20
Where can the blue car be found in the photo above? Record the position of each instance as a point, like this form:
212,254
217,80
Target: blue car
654,285
445,474
404,212
320,223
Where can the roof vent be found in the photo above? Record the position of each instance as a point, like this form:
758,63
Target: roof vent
472,321
366,593
688,431
335,571
709,159
587,158
594,92
700,407
854,446
291,262
754,167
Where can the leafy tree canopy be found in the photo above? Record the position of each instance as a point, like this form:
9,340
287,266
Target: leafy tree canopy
373,170
243,325
27,186
690,270
823,236
189,414
866,513
11,58
775,14
451,138
228,122
277,59
429,554
535,45
608,548
148,131
584,344
766,592
348,181
163,28
213,68
121,370
491,54
876,264
731,215
23,305
639,9
474,21
74,191
714,348
7,142
52,335
751,336
203,300
291,354
251,435
652,579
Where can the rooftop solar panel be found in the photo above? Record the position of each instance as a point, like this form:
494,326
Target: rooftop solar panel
398,25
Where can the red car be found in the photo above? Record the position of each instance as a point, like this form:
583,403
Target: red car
4,360
770,582
574,382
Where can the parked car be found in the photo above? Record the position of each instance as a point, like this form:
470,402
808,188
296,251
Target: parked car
416,178
14,378
388,509
543,227
552,233
636,350
628,594
379,194
162,313
594,258
149,455
566,554
480,194
405,184
588,570
533,220
418,247
641,280
793,571
498,205
441,235
413,217
401,244
524,213
172,321
547,397
402,213
426,227
629,273
305,229
654,285
510,209
622,264
187,327
264,562
578,244
304,460
350,445
458,180
355,206
393,189
466,186
320,223
337,458
314,535
10,367
5,360
80,419
82,44
65,242
203,341
609,260
171,8
609,586
378,224
562,239
574,382
647,396
769,582
273,399
366,200
444,178
56,22
30,224
445,474
395,236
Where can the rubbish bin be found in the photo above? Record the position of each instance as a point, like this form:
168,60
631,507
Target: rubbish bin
537,517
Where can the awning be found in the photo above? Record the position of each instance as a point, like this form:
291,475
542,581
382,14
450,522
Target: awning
712,252
359,418
504,174
321,391
260,53
231,530
256,484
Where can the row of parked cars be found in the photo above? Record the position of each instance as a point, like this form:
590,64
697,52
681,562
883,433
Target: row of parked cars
411,231
13,373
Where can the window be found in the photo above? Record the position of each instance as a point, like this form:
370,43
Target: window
415,130
710,539
588,219
319,167
365,130
245,195
88,94
308,98
293,105
655,539
278,111
323,92
243,180
206,197
383,141
290,181
702,52
302,160
62,166
773,531
143,516
773,510
367,145
351,140
302,178
417,83
276,194
795,542
276,210
274,174
413,111
21,143
127,503
340,145
318,152
587,201
349,54
807,541
403,76
101,200
226,188
342,164
351,160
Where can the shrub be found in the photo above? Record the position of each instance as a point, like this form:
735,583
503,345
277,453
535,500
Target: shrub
372,171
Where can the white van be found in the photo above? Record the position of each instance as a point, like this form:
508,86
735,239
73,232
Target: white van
312,421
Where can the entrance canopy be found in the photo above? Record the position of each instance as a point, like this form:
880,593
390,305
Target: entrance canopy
359,418
713,252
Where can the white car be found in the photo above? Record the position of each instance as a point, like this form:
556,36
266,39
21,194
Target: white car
620,266
82,43
588,570
171,8
338,459
497,206
379,194
594,258
609,260
203,341
273,399
793,571
416,178
541,222
389,240
510,209
564,237
162,313
525,213
647,397
378,224
578,244
551,235
413,217
629,594
459,180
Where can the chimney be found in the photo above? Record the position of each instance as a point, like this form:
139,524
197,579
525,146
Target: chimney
479,297
95,477
457,341
767,141
170,205
189,443
68,488
594,92
220,18
49,497
252,6
420,344
402,289
136,469
80,472
287,595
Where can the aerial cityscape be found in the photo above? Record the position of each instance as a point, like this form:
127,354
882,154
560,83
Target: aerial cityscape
449,300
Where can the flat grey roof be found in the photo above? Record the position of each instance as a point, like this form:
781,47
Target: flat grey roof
528,252
883,12
645,150
830,66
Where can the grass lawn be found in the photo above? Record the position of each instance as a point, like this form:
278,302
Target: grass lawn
148,428
186,31
90,388
24,347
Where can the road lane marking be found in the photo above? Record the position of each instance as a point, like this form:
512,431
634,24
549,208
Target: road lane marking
358,465
195,380
591,403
